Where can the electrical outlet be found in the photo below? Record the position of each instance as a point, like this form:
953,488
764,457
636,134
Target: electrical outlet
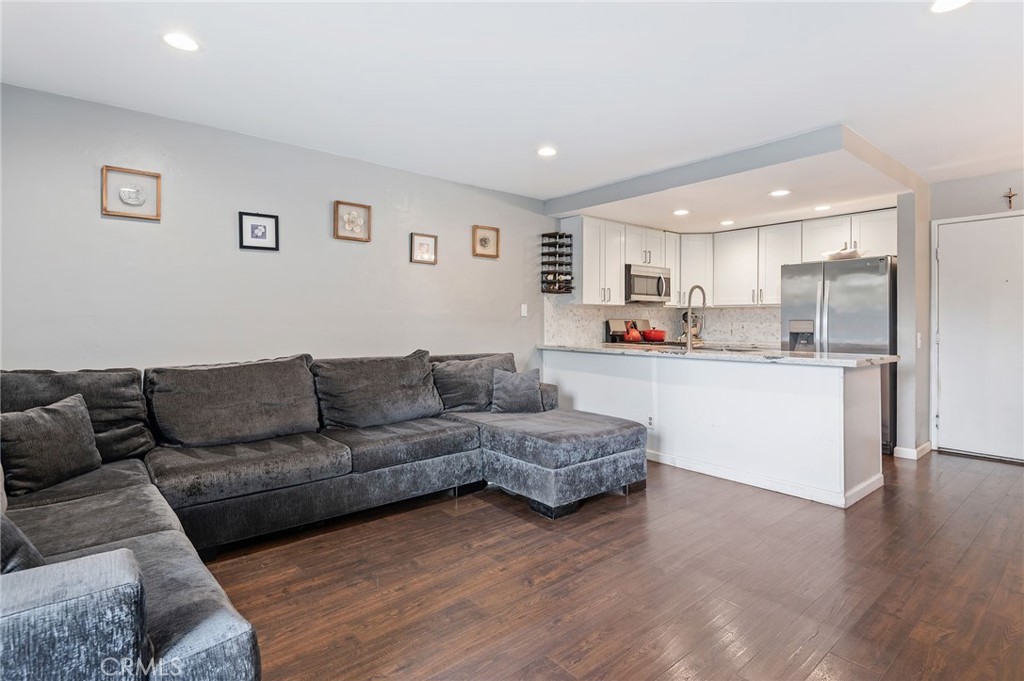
650,423
920,340
524,310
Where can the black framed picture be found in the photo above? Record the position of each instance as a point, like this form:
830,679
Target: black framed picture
258,232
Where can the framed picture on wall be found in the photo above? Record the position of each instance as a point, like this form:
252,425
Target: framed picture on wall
351,221
128,193
257,231
423,248
486,241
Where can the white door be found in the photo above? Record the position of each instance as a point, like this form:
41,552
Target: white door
779,245
614,265
736,267
874,233
672,262
592,283
980,310
636,249
654,241
696,265
825,234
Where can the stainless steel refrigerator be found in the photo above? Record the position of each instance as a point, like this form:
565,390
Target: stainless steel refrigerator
845,306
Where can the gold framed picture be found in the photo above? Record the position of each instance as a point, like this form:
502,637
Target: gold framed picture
486,241
351,221
423,248
128,193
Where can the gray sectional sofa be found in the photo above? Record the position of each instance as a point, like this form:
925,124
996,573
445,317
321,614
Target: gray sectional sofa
197,457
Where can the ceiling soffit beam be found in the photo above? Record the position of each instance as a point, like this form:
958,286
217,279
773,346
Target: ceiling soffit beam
881,161
814,143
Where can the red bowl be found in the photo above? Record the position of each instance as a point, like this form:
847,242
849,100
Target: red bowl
654,335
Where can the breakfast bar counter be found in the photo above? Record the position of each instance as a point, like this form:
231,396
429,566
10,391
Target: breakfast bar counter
804,424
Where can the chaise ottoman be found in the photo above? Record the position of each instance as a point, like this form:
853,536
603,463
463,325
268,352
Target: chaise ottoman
556,458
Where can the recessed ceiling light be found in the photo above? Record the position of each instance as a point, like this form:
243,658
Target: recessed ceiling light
822,207
780,192
727,223
547,151
943,6
181,41
681,211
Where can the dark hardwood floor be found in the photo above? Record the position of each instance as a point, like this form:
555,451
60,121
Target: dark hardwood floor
695,578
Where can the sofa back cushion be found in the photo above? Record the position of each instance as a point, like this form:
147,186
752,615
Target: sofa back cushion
42,446
114,398
217,404
468,385
360,392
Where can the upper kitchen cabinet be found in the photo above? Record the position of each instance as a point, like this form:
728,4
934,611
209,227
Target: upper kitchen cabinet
645,246
823,235
696,266
672,262
874,233
778,245
735,270
602,273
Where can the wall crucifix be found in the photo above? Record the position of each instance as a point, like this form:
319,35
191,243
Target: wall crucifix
1009,196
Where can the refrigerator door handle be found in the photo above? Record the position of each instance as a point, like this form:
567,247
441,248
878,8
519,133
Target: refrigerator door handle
824,317
817,318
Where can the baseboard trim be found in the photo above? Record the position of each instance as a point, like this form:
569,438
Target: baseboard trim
793,489
913,454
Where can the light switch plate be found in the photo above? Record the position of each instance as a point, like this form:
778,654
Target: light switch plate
920,340
524,310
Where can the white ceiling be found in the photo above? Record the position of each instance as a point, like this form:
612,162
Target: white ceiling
468,91
837,179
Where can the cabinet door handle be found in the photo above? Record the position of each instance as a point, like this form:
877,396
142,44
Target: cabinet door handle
845,244
854,245
604,295
753,296
761,294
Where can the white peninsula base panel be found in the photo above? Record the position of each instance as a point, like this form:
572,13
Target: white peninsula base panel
811,431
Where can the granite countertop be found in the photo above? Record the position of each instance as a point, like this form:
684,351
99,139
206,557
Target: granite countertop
740,353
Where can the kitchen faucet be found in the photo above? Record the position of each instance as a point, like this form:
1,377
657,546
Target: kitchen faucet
689,312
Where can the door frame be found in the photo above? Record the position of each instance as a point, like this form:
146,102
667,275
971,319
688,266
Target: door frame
933,360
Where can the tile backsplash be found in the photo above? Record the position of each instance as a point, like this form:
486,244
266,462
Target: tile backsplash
571,324
755,325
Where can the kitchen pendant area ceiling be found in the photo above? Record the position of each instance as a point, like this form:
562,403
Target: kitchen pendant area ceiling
468,92
837,179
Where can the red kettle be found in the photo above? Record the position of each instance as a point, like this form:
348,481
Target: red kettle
631,335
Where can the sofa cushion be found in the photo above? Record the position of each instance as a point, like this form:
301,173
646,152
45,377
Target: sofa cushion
216,404
111,476
41,446
198,475
97,519
373,391
16,551
394,444
195,631
117,408
517,393
556,439
468,385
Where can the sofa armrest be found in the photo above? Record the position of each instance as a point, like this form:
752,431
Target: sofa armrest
78,619
549,396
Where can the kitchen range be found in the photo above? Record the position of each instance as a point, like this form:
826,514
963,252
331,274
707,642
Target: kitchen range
804,417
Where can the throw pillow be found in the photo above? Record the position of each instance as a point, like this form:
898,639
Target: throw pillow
468,385
517,393
360,392
16,551
42,446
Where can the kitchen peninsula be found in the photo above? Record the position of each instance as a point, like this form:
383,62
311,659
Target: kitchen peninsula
801,423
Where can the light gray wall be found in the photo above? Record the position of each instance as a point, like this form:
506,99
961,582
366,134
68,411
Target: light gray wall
81,290
976,195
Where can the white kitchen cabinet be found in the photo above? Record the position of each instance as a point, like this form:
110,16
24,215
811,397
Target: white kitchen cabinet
602,269
735,274
672,263
696,266
874,233
645,246
778,245
825,234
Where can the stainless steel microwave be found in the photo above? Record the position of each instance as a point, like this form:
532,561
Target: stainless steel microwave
646,284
